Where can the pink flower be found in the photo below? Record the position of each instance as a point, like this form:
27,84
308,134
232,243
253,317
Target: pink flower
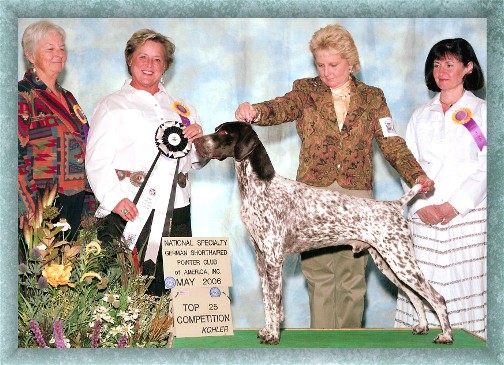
96,334
122,341
37,333
59,339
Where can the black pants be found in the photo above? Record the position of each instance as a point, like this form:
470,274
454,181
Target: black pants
113,226
70,207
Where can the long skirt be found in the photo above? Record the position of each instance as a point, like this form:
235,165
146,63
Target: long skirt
453,258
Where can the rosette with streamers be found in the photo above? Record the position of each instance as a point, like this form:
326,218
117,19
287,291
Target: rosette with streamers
171,141
463,116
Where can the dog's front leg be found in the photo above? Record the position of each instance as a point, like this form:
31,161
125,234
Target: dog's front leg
271,283
272,293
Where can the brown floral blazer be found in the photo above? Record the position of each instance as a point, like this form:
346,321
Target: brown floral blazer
328,154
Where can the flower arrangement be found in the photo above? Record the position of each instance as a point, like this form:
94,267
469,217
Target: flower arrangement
79,294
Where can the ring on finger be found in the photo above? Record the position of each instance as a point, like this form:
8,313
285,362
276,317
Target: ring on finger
125,211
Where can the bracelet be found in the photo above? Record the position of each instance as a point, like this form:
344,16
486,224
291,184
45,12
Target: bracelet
257,117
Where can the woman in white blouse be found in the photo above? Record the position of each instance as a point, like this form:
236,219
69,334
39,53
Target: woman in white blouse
122,148
448,137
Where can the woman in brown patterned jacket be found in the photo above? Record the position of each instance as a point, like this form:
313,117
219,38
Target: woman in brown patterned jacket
337,118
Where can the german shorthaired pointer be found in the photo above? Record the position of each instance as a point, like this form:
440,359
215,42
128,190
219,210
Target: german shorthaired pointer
285,217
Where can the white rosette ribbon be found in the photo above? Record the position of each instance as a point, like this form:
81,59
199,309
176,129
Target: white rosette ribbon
171,141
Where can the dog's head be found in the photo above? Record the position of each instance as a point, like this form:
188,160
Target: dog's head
231,139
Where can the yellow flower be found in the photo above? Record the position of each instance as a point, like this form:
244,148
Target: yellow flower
93,247
91,275
57,274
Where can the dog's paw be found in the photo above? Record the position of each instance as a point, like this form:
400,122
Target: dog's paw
267,338
444,338
420,330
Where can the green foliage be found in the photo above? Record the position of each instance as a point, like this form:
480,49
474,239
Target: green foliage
79,283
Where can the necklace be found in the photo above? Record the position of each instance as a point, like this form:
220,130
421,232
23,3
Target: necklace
341,96
442,102
342,92
451,104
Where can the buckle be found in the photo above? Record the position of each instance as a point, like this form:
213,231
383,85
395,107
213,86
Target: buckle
137,178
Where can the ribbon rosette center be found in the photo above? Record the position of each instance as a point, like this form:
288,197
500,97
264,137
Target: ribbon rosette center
171,141
462,116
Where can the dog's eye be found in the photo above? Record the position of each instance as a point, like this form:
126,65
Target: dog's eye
222,132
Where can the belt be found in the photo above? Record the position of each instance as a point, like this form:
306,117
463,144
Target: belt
136,178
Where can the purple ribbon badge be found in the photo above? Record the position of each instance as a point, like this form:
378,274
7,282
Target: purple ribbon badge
464,116
183,111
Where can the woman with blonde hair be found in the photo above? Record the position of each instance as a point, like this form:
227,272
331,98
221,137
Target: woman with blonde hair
130,176
337,118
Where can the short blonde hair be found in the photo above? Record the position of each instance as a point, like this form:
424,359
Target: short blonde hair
335,37
34,33
140,37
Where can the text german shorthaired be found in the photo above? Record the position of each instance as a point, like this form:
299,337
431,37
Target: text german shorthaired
284,217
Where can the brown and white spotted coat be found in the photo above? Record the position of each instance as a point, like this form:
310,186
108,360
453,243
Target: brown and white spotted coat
283,217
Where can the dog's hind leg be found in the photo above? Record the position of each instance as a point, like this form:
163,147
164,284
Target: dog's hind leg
408,272
422,327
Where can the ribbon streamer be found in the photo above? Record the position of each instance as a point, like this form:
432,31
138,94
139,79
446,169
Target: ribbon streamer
463,116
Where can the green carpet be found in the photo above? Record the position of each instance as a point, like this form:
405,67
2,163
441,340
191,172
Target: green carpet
306,338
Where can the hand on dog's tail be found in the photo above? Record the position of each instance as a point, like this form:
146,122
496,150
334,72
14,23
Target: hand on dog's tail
410,194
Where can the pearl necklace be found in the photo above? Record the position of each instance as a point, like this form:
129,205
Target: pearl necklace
341,96
342,92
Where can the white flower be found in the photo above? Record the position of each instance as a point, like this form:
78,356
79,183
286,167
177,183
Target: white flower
108,318
127,329
41,247
116,330
123,315
63,223
101,309
134,316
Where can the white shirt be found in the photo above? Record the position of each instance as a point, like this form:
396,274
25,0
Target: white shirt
122,136
448,153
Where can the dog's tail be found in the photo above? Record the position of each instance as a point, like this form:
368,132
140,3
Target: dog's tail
410,194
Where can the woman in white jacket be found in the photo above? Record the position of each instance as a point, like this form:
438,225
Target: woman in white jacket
122,149
448,137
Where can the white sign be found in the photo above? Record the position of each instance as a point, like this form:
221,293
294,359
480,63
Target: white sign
200,312
190,262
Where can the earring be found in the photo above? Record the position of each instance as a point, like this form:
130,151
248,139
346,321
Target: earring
34,70
351,71
162,79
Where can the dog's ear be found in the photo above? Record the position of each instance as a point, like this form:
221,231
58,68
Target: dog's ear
219,127
247,141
